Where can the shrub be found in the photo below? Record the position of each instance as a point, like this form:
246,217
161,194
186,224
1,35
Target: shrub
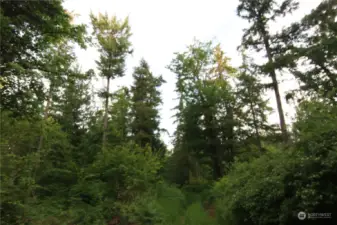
275,187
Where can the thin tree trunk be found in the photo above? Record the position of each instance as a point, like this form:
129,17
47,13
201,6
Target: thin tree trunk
213,146
275,87
230,133
258,139
257,133
331,76
333,81
105,123
45,116
217,170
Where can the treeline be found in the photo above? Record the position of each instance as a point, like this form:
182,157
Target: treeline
65,162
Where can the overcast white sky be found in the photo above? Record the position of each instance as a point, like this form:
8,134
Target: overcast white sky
162,27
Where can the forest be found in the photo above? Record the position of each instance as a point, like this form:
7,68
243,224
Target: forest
65,162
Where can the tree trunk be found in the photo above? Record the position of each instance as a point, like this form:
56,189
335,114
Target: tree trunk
213,146
275,87
333,81
105,123
45,116
256,127
230,134
217,168
331,76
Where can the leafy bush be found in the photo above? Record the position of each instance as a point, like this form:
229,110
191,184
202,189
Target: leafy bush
275,187
115,179
167,205
198,190
27,171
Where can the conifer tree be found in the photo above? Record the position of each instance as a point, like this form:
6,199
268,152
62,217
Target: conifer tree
313,64
259,13
146,99
254,108
74,109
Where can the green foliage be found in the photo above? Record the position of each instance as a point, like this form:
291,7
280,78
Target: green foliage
275,187
313,64
166,205
254,109
226,155
28,29
114,164
48,23
205,131
144,108
73,110
248,192
195,214
110,184
119,123
114,46
315,128
172,200
24,169
257,37
146,210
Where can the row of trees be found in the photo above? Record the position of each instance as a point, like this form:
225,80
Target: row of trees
222,111
52,138
65,162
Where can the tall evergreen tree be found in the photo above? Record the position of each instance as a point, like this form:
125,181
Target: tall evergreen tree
73,109
114,45
257,36
146,99
254,108
308,48
60,174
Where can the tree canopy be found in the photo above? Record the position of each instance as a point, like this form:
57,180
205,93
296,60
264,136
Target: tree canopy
65,161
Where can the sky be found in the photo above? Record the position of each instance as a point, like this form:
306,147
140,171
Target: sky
162,27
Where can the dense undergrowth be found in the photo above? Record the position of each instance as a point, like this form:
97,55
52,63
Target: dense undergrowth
66,162
126,184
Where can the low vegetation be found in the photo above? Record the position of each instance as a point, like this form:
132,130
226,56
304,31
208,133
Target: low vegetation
66,162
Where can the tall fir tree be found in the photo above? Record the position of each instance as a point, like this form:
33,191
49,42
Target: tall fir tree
255,109
73,109
313,63
257,36
146,99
